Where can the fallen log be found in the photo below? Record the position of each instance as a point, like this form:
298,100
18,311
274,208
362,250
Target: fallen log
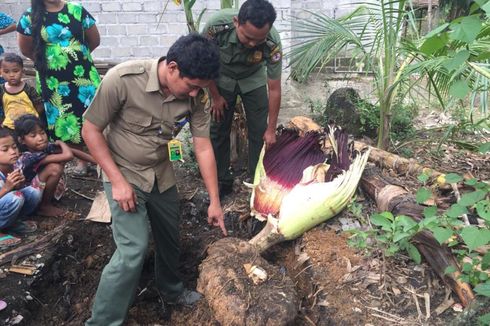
32,247
399,201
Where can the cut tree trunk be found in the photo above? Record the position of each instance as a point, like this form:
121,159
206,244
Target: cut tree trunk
398,201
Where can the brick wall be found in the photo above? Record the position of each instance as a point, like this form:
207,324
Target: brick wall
138,29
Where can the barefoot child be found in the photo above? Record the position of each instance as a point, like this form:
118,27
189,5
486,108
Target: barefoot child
42,163
15,199
17,97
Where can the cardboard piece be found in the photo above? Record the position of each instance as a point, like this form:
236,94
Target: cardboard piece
100,211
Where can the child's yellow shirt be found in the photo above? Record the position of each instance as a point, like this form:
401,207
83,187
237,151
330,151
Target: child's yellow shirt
19,104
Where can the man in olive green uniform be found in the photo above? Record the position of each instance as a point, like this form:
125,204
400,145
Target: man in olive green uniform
145,103
251,62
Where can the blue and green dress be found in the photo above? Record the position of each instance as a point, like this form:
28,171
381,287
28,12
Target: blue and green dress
70,81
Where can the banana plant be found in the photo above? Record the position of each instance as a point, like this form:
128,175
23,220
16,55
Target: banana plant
193,25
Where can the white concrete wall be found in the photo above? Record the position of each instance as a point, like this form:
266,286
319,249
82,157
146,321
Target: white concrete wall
138,29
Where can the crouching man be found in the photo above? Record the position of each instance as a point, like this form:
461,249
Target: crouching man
144,103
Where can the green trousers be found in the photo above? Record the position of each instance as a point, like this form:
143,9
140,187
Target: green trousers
256,104
131,232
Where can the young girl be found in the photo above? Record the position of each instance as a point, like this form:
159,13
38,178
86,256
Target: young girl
59,37
16,200
18,98
42,163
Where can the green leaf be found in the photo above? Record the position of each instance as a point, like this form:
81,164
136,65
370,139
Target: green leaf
441,234
414,253
449,270
485,262
471,182
393,249
432,44
456,210
423,178
485,319
437,30
422,195
474,237
483,289
486,8
469,199
430,211
407,223
382,221
484,148
459,89
466,29
466,268
400,235
453,178
483,209
456,62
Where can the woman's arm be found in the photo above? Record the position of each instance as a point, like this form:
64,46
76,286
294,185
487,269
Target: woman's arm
26,45
92,37
8,29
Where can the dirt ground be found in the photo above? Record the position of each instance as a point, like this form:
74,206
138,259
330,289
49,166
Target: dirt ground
336,285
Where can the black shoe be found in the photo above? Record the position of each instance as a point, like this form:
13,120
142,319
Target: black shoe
225,190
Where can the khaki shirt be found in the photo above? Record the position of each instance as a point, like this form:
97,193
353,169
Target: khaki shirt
240,65
141,121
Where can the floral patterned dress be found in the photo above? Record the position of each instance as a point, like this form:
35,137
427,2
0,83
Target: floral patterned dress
71,79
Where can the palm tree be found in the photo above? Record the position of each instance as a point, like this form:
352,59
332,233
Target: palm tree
452,59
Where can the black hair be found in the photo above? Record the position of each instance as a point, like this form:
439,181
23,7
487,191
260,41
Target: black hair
26,124
196,57
37,18
4,132
257,12
12,58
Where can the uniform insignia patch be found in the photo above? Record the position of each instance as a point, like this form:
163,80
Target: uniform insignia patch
256,57
276,57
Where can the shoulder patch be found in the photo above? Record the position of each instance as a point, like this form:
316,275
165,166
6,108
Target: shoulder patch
213,30
131,70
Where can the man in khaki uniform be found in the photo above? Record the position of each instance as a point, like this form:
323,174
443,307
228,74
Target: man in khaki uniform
145,103
251,63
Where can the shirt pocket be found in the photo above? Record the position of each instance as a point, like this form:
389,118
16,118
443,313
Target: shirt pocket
225,57
137,122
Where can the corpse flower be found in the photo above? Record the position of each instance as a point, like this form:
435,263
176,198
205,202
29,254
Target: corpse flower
302,181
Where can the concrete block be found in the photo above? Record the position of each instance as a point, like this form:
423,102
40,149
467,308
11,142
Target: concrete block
146,40
149,18
127,18
137,30
153,6
105,18
102,53
111,6
129,41
115,30
122,51
92,7
132,6
110,41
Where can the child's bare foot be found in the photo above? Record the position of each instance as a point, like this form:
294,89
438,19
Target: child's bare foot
50,210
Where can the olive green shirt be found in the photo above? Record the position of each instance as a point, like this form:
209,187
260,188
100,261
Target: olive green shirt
141,121
249,68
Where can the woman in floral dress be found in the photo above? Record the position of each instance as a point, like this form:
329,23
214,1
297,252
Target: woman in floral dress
59,36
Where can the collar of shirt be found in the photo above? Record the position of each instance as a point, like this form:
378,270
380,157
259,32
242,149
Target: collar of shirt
153,84
233,37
